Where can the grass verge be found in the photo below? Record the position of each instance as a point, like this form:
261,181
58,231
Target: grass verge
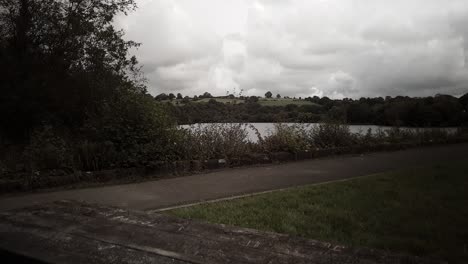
420,211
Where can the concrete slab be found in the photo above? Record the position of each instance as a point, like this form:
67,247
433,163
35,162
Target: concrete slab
73,232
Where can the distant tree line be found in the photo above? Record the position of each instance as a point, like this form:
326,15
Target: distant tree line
171,96
440,110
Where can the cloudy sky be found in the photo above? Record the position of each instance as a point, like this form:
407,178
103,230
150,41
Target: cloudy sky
335,48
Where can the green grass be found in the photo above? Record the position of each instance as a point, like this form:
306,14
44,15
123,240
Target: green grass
283,102
420,211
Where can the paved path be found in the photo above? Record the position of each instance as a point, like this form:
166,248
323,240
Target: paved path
71,232
214,185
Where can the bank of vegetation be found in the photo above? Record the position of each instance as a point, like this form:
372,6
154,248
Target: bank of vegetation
51,160
72,97
434,111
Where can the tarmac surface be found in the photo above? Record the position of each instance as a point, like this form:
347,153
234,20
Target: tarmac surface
226,183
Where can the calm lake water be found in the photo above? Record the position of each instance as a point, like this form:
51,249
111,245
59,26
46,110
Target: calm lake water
266,128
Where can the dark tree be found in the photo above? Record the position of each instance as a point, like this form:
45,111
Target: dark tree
252,99
213,102
359,113
162,97
206,95
61,61
290,107
464,101
179,96
171,96
278,96
186,100
441,110
268,94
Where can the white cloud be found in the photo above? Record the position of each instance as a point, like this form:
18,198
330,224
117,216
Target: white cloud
337,48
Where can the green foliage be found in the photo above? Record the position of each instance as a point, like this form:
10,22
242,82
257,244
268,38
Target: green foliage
93,156
47,150
135,125
129,130
72,93
60,60
161,97
332,135
464,99
215,141
300,137
438,111
309,137
252,99
223,110
417,136
206,95
290,138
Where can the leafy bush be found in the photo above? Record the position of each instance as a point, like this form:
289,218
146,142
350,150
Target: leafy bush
47,150
430,135
214,141
331,135
290,138
134,125
299,137
92,156
398,135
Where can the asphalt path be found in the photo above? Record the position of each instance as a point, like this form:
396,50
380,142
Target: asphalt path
165,193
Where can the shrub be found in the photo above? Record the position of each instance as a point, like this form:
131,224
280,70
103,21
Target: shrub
133,125
214,141
93,156
397,135
299,137
47,150
430,135
331,135
290,138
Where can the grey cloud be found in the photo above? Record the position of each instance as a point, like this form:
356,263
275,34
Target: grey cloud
299,47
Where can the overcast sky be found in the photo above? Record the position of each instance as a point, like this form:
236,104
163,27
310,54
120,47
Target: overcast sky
335,48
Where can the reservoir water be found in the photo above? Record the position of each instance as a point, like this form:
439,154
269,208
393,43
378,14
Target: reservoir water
266,128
